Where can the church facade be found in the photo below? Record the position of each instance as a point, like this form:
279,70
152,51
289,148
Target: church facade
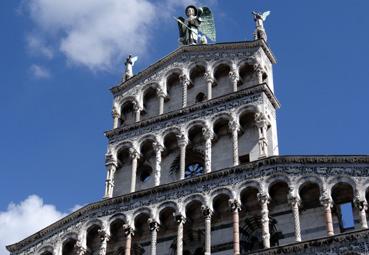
193,167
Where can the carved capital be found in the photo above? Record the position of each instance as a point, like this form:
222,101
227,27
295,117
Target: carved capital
234,76
294,200
206,211
209,77
153,225
361,204
104,236
261,120
133,153
234,126
128,230
208,133
180,219
161,93
326,201
80,250
115,113
110,160
182,139
234,204
136,107
263,197
184,80
158,147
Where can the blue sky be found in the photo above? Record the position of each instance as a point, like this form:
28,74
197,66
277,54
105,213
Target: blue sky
55,102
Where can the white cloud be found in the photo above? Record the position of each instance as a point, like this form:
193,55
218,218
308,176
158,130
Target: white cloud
37,46
26,218
39,72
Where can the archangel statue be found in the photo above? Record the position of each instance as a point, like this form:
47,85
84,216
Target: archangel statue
198,26
130,62
259,18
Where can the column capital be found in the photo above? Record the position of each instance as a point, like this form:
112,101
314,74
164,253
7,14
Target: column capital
234,76
208,133
263,197
184,80
158,147
326,201
104,236
234,204
128,230
361,204
161,93
294,200
234,126
182,139
80,250
209,77
180,219
110,159
261,120
115,113
153,225
133,153
206,211
136,107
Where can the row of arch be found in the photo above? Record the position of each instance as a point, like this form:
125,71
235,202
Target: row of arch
183,87
309,190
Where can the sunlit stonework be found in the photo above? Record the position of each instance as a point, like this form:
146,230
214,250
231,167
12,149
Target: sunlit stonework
193,166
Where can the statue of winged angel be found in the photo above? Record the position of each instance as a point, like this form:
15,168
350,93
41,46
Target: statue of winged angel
260,18
130,62
198,26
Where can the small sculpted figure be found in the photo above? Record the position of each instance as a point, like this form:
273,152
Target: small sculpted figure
130,62
259,19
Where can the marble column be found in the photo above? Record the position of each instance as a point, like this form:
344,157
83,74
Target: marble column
259,73
264,201
207,215
80,247
234,77
295,202
362,206
185,83
182,143
180,220
116,117
235,207
104,238
154,228
235,128
210,81
109,183
327,203
135,155
208,135
128,233
137,110
161,94
158,148
262,125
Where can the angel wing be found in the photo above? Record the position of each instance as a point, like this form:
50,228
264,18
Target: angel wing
133,60
265,15
207,26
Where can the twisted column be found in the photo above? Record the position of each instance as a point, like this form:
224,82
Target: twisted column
180,220
235,207
262,124
327,203
116,116
135,155
128,233
235,128
158,149
362,205
234,77
209,81
206,211
182,143
264,201
185,83
111,167
208,135
104,238
295,202
154,228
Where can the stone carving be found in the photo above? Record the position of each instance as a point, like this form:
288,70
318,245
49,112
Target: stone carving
130,62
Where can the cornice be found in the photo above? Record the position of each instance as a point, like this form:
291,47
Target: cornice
193,49
199,106
288,161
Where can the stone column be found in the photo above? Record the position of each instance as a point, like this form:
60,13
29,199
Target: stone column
109,183
80,248
327,203
128,232
262,125
185,83
259,73
208,135
116,117
154,228
234,127
295,202
362,206
234,77
104,238
162,96
207,215
182,143
135,155
181,220
137,110
264,201
210,81
235,207
158,149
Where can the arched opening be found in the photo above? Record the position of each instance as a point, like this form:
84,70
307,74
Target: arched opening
343,196
69,247
142,237
128,115
168,230
280,214
200,97
123,174
47,253
170,159
150,104
117,238
223,83
311,213
174,88
222,146
146,166
248,149
194,232
195,152
221,221
198,84
93,239
247,76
